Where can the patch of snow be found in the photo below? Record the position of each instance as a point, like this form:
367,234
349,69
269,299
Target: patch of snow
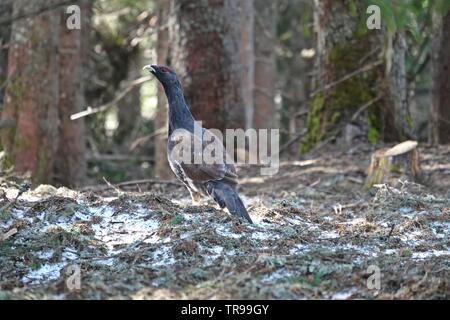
264,236
430,254
278,275
222,231
163,257
45,255
343,295
440,229
70,254
329,235
390,251
300,248
45,273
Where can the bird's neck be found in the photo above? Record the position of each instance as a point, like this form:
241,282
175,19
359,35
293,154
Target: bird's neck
179,115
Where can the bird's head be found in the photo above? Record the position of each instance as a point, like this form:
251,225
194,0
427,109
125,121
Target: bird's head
164,74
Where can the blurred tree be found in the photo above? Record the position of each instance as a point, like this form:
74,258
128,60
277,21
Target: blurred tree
204,37
44,88
5,33
440,125
265,115
70,162
162,168
247,52
295,52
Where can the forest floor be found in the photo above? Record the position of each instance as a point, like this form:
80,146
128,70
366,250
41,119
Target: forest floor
316,234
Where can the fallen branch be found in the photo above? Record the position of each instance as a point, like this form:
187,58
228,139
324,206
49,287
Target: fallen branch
8,234
131,183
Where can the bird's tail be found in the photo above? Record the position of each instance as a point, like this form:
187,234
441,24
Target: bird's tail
226,196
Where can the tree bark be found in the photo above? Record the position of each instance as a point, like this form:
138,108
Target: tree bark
247,51
32,92
205,53
397,118
129,110
352,69
265,65
440,112
162,168
44,89
5,33
70,162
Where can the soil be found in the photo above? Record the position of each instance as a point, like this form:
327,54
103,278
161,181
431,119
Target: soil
317,235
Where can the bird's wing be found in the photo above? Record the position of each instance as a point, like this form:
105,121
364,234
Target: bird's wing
194,149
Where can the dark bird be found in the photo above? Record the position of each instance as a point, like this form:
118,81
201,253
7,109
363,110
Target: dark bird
217,180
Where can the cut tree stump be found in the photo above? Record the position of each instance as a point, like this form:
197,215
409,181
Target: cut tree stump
389,165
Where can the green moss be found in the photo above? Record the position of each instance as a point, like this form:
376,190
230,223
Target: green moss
337,104
314,124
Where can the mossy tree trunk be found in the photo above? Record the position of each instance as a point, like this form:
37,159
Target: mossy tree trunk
355,66
204,37
343,47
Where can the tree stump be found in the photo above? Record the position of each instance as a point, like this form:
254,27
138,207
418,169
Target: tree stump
389,165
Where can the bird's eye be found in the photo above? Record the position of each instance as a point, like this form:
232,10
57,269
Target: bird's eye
165,70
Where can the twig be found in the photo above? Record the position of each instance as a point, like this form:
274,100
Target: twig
133,182
353,118
8,234
366,68
144,139
89,110
119,192
23,188
294,139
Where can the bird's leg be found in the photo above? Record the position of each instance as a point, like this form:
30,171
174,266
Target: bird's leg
196,198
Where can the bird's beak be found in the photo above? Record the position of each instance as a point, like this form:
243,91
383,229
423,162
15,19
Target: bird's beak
149,68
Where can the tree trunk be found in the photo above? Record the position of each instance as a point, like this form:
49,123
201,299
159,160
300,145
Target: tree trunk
32,92
397,119
351,72
440,113
247,16
129,110
44,89
162,168
205,53
70,162
5,33
394,165
265,65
